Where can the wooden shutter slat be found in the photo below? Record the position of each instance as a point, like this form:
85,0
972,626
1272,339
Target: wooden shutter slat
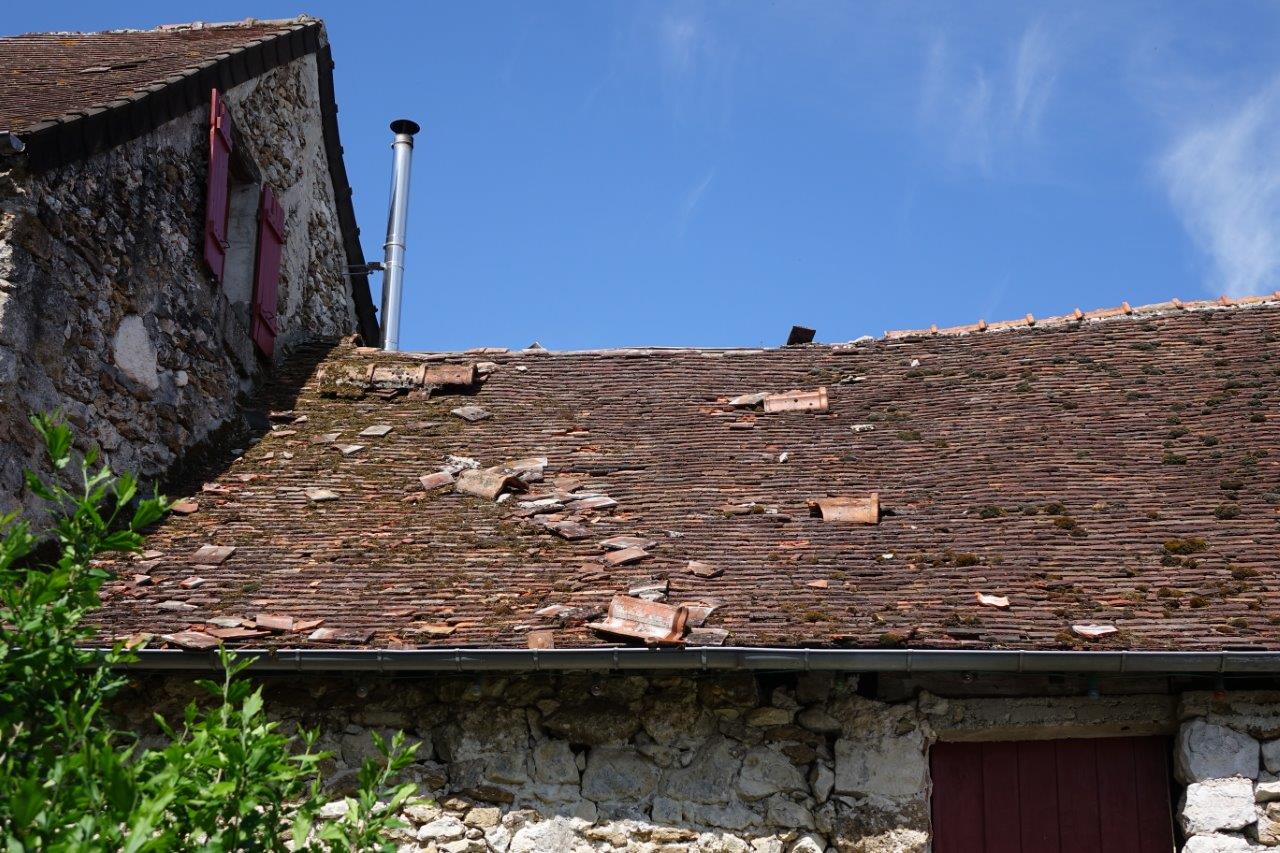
264,323
1118,797
1078,795
217,195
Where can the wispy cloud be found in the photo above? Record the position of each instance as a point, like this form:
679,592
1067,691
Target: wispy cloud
1222,176
691,200
983,111
697,65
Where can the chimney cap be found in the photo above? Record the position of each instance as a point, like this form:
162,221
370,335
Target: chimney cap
404,125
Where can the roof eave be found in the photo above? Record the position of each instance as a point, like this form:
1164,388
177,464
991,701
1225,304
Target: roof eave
725,658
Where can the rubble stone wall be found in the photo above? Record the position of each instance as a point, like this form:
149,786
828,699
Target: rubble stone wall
608,762
1228,757
107,311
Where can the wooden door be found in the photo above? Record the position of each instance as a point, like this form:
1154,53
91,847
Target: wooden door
1052,796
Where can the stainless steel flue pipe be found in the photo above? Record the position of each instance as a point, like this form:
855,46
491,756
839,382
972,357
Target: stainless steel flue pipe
397,222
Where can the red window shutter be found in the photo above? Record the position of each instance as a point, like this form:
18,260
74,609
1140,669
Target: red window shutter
217,198
264,325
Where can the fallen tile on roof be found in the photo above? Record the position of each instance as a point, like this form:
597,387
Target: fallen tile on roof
212,555
237,633
326,438
541,639
571,530
191,582
185,507
650,621
321,495
650,590
438,480
349,449
999,601
191,640
704,570
625,556
432,629
595,502
706,637
854,510
1094,631
471,413
797,401
822,583
746,401
489,483
273,622
375,431
451,374
175,605
618,543
335,635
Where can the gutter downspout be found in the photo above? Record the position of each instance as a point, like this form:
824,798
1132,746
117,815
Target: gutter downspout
721,658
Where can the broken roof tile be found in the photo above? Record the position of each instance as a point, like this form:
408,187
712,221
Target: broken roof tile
471,414
375,431
617,543
650,621
1092,631
851,509
438,480
193,640
212,555
273,622
191,582
541,639
321,495
704,570
626,556
998,601
185,507
797,401
488,484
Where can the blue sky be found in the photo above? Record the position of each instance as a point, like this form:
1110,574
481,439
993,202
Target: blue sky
617,173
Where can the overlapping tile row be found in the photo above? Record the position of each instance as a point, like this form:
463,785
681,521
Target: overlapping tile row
48,76
1123,474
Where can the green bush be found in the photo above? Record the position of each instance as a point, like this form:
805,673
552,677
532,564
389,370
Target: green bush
229,778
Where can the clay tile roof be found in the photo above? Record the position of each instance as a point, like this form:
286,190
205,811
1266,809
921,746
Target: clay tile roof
49,76
1095,470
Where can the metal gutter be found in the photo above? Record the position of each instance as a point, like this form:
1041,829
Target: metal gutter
722,658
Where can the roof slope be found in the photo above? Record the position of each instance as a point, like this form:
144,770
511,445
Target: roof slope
1121,471
48,76
67,96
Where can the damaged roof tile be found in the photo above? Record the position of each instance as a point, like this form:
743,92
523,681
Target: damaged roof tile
650,621
212,555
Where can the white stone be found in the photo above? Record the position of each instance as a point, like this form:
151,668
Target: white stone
1219,844
1208,751
421,812
134,353
483,817
498,838
333,810
445,828
1266,792
1216,805
554,834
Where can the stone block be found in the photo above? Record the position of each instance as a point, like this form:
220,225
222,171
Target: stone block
766,772
618,775
554,763
1208,751
1217,805
882,765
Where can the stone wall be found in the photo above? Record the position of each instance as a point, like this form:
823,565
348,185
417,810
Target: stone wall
106,309
637,763
1228,757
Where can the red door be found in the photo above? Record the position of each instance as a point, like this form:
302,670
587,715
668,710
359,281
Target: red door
1052,796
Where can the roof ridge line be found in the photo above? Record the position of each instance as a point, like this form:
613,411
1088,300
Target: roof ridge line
1122,311
172,28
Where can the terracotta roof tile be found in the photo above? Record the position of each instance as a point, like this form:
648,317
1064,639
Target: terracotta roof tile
50,76
1096,472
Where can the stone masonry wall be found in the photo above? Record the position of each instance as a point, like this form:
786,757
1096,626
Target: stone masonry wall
106,309
578,762
1228,756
